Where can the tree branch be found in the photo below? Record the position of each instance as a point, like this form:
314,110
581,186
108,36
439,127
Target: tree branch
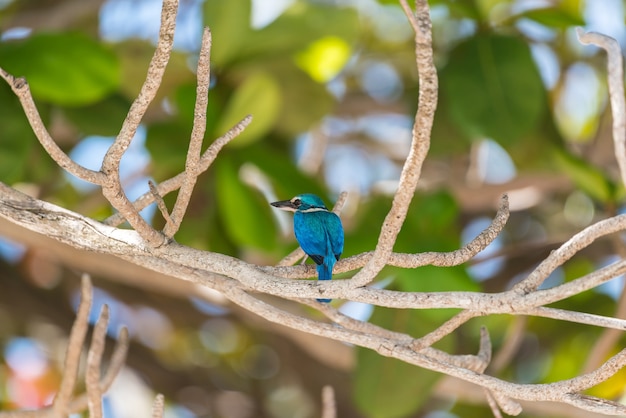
427,103
615,70
192,165
64,404
22,91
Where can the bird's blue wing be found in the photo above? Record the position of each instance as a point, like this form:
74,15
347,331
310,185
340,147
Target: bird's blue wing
315,230
311,234
335,233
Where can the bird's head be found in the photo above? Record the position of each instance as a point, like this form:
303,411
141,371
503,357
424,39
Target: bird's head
301,203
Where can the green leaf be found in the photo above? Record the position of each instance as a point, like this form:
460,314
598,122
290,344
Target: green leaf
386,387
279,166
305,23
65,68
589,178
241,209
308,101
102,118
230,28
435,279
554,17
167,143
493,88
431,224
134,56
259,95
16,140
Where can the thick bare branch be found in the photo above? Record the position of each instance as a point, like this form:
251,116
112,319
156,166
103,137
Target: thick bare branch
558,257
94,360
112,186
192,164
95,386
115,365
427,103
156,69
615,70
22,91
175,182
60,406
201,267
210,270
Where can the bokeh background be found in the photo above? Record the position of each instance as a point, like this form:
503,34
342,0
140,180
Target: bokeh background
332,86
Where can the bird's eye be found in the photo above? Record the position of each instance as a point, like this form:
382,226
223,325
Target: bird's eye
297,202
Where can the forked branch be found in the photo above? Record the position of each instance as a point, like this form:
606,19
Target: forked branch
65,403
240,281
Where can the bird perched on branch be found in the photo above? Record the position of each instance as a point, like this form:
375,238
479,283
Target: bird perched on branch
318,231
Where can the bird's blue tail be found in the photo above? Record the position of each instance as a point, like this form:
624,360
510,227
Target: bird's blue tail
325,272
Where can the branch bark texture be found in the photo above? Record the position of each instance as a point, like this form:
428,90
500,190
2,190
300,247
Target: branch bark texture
242,282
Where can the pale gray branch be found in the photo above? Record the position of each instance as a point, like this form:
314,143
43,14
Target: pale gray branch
94,360
615,70
427,103
192,164
64,404
159,202
239,281
22,91
329,405
60,406
158,407
175,182
112,187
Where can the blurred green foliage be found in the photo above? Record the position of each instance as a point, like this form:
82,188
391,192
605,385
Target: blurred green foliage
491,87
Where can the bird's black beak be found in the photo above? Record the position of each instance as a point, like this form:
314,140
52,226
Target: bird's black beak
284,205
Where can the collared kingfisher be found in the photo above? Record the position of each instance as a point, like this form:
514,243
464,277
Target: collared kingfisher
318,231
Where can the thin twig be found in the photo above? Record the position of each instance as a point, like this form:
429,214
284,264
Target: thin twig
156,69
94,359
329,405
60,406
158,406
492,404
443,330
409,177
512,340
115,365
192,164
112,187
159,202
615,76
566,251
22,91
576,317
175,182
608,339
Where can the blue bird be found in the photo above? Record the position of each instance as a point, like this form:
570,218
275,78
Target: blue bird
318,231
